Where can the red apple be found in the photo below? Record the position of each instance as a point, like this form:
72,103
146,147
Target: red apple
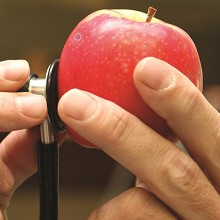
102,51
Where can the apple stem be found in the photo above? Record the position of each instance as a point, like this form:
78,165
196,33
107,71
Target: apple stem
150,13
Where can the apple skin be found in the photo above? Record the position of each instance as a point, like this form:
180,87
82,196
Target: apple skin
102,51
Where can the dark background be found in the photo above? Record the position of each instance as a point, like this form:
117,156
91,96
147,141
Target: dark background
36,30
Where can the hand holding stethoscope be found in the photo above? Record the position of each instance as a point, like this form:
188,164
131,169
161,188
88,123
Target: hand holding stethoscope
18,112
23,108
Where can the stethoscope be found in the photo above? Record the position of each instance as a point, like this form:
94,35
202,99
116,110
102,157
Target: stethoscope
48,148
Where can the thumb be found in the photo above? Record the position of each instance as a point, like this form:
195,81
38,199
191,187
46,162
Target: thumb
167,91
176,99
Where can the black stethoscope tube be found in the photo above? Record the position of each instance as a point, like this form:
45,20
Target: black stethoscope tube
48,168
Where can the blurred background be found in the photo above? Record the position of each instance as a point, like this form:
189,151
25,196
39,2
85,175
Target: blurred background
36,30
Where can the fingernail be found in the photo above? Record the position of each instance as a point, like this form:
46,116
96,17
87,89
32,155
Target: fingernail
33,106
14,70
155,73
78,104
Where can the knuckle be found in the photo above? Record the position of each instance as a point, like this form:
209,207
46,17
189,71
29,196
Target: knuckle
128,207
183,175
116,125
95,215
140,204
191,99
185,99
184,183
7,103
8,109
211,157
134,201
101,213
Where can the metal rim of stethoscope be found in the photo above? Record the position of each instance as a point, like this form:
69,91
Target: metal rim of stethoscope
51,93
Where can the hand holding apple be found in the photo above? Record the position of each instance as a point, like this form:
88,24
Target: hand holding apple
101,53
177,183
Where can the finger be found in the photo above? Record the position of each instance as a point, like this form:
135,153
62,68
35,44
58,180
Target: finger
6,185
21,110
1,216
13,74
18,151
186,111
167,171
7,179
134,204
140,183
